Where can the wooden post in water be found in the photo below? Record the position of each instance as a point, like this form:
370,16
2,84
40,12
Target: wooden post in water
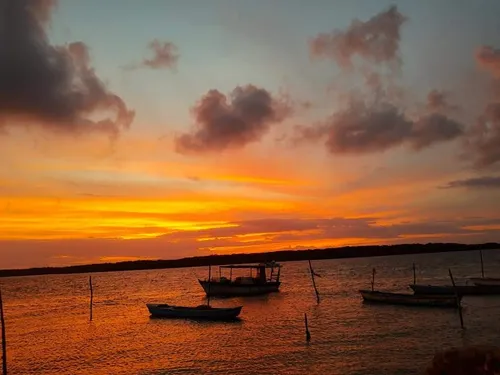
313,281
373,279
4,342
308,334
91,296
459,305
482,264
209,282
414,275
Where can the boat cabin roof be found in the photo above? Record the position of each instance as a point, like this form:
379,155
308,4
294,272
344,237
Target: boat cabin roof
247,266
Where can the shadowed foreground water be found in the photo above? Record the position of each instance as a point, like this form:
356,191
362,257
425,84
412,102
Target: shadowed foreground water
48,328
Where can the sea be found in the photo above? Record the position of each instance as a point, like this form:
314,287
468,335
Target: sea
48,327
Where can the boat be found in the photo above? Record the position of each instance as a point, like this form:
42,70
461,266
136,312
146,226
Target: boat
204,312
244,286
485,281
463,290
410,299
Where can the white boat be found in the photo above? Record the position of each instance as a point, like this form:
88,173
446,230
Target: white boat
205,312
244,286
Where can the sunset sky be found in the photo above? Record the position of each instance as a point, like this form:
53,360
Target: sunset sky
164,128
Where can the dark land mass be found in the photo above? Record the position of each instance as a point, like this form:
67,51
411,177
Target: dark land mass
279,256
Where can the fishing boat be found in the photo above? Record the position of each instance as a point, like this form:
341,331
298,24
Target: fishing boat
204,312
463,290
256,284
485,281
409,299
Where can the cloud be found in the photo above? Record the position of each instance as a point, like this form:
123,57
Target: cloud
232,121
373,120
375,40
477,182
165,56
366,127
434,128
437,101
483,139
54,87
489,58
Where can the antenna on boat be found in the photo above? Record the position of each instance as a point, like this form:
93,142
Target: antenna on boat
482,264
373,279
414,275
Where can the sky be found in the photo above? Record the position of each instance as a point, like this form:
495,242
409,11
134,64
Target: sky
165,129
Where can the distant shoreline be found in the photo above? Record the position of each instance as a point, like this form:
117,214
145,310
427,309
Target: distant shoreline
279,256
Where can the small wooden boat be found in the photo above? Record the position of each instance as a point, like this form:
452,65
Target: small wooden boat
486,281
409,299
199,312
463,290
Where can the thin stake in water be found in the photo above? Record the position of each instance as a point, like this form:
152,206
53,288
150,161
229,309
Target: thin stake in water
91,296
313,281
4,342
414,275
308,334
459,305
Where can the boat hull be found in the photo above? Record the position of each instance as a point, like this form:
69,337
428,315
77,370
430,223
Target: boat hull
234,289
463,290
179,312
486,281
409,299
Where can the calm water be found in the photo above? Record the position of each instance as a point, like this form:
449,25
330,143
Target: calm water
48,330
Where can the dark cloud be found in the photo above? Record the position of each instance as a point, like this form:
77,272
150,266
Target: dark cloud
483,139
375,40
366,128
477,182
363,129
51,86
165,56
434,128
232,121
372,120
437,101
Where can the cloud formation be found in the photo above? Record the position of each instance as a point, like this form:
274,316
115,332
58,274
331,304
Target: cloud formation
375,40
54,87
489,58
232,121
477,182
483,138
165,56
437,101
371,121
367,127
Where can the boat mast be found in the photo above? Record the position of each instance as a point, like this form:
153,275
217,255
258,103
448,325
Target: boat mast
209,282
482,265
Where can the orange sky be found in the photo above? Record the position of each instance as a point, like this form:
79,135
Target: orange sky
193,176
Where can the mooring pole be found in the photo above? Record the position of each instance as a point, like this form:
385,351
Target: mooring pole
459,305
4,341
